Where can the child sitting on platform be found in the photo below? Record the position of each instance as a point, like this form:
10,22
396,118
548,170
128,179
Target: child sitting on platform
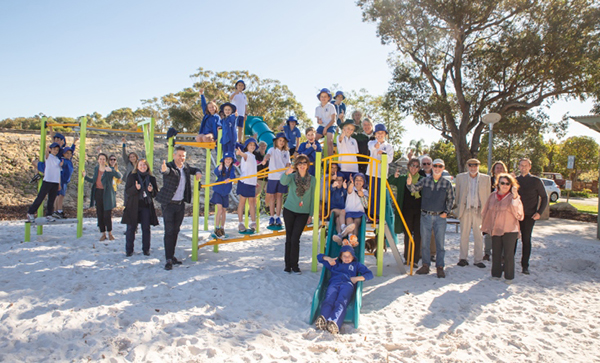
210,121
344,275
220,197
246,188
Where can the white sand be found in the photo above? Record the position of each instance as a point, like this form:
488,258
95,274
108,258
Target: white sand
68,299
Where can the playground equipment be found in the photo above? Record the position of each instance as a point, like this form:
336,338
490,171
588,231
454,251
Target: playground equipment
147,130
256,125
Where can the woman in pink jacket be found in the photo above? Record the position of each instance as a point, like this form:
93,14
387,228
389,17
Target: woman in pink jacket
500,219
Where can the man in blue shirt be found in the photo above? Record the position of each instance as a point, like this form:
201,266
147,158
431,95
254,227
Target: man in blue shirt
437,202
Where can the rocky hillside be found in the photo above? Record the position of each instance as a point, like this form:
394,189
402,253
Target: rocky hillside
21,148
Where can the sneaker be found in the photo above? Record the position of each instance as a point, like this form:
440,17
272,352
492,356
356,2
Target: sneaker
222,232
349,228
508,282
297,271
424,270
146,253
56,215
480,265
176,261
278,221
332,327
337,239
30,218
35,178
129,254
241,227
103,237
486,257
321,323
287,270
440,273
463,263
50,219
110,236
62,215
169,265
526,270
271,221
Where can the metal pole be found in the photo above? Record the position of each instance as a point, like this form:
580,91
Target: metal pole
40,213
80,178
490,149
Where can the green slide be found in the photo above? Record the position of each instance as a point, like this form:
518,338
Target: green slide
332,249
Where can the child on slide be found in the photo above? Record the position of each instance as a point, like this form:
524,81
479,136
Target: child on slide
356,201
344,275
339,193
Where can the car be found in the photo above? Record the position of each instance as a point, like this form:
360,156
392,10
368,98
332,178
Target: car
557,177
446,175
552,189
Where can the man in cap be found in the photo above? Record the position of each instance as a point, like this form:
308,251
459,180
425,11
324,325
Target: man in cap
472,192
437,201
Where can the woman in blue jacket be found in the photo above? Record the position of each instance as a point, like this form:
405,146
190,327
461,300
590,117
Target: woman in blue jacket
344,275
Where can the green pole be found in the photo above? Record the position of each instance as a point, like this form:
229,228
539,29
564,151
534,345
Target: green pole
258,214
40,213
150,156
219,157
207,190
246,210
316,222
80,178
381,226
196,215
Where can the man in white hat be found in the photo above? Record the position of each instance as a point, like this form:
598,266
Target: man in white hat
437,202
472,191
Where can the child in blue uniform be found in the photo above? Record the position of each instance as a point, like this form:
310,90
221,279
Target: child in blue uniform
50,184
310,148
246,188
229,135
292,133
210,121
340,107
65,178
220,197
338,209
344,275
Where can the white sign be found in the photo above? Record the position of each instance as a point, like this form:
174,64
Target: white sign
571,162
569,185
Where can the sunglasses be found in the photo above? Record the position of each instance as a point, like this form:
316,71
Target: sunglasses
438,166
426,163
504,183
113,159
302,162
473,164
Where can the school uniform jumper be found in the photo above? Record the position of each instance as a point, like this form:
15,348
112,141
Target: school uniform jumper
306,148
221,191
340,289
210,123
229,135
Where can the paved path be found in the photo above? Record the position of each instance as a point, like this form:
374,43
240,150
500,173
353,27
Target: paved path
584,201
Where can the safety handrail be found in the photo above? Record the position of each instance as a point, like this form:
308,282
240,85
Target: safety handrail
411,246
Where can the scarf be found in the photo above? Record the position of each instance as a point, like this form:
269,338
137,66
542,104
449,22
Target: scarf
302,184
144,180
500,196
415,179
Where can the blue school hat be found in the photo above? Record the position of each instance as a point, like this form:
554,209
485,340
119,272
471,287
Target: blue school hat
338,93
227,154
67,149
364,178
53,145
324,90
380,127
242,82
249,141
281,134
292,119
60,136
346,248
233,108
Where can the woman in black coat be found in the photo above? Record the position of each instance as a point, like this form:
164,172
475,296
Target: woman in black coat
141,189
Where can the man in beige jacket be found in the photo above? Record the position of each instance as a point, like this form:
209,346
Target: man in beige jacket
472,191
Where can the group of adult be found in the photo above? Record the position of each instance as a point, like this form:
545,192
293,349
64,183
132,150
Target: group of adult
498,209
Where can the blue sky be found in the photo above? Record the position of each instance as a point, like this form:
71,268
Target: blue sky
69,58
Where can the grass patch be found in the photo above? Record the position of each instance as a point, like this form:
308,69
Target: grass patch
583,208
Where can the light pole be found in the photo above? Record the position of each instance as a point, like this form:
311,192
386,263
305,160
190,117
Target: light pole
490,119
